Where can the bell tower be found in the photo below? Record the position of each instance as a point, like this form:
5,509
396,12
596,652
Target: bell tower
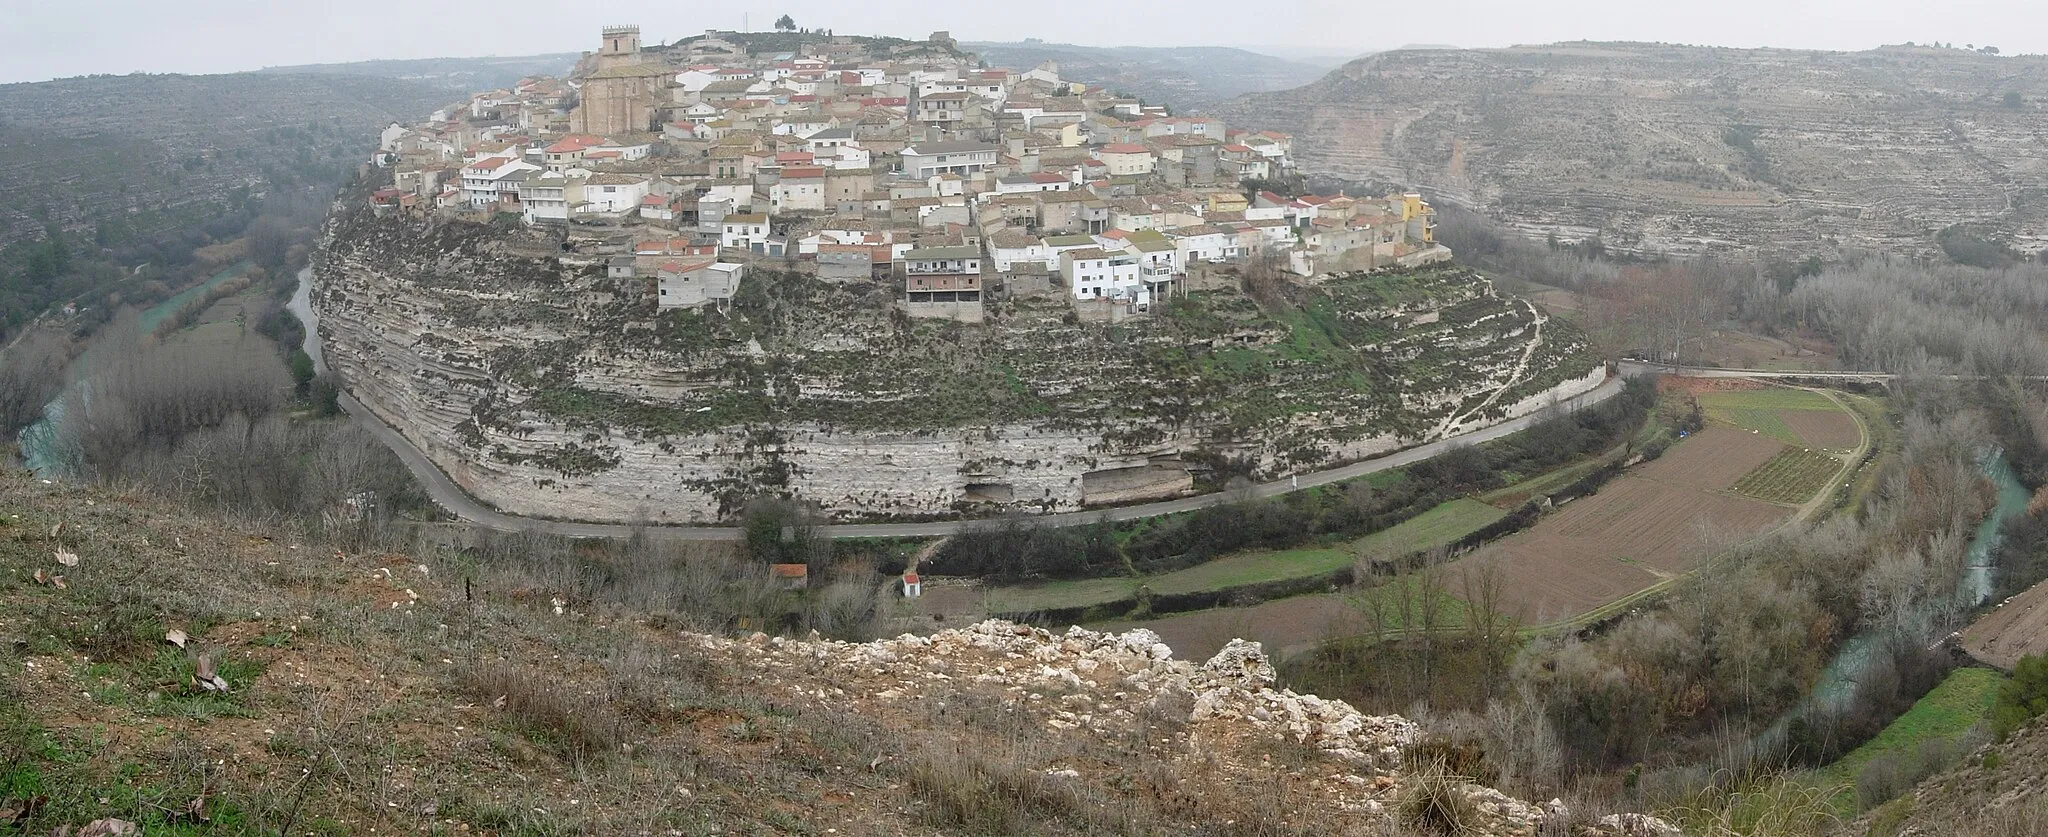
621,41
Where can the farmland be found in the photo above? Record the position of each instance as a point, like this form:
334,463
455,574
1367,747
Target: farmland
1641,529
1440,525
2017,628
1790,478
1792,416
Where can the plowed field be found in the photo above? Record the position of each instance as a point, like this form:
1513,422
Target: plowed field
2018,628
1653,524
1831,430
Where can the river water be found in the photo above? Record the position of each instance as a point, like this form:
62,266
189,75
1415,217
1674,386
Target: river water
1837,683
42,447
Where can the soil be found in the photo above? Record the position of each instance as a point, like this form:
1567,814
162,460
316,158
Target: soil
1831,429
1654,524
2017,628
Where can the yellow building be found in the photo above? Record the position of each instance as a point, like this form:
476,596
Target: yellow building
1227,202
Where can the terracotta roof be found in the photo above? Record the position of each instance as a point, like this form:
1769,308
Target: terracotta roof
789,570
1125,148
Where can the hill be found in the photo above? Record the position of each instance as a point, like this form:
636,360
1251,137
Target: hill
1673,148
192,675
459,75
548,389
1181,77
151,154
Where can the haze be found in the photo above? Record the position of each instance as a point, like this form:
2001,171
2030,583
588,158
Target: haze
43,41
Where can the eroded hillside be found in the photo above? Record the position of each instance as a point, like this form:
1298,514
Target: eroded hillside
1670,148
174,671
546,388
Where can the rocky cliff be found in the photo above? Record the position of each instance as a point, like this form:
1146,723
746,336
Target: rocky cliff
1670,148
547,389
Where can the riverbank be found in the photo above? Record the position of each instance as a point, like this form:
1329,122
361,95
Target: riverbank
41,444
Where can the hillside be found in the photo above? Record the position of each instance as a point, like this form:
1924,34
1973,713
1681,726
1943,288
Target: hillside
547,389
1181,77
382,691
458,75
1671,148
1994,792
152,154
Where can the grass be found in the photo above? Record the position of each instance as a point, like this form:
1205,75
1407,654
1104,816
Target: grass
1513,496
1945,714
1791,477
1757,409
1081,592
1436,527
1441,525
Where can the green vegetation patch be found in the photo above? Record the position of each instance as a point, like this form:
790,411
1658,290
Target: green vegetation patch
1946,714
1791,477
1757,409
1436,527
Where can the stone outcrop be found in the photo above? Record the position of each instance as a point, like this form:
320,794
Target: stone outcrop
1662,148
546,389
1083,682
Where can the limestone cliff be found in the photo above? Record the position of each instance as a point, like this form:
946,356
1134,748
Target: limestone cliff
1669,148
547,389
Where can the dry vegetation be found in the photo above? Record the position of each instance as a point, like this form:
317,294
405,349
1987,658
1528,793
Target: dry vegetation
434,692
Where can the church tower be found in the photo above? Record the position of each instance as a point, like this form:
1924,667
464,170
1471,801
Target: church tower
620,42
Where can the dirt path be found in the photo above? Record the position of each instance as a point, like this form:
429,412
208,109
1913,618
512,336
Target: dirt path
1514,376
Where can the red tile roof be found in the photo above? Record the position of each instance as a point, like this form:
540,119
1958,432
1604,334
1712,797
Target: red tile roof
1125,148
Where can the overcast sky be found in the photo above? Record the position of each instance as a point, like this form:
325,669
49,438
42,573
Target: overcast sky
41,40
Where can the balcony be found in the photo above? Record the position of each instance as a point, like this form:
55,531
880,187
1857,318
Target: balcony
1156,273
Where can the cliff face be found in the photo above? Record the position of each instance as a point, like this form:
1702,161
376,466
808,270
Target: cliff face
1668,148
546,389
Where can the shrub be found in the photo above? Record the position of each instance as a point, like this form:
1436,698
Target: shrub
1435,802
2022,697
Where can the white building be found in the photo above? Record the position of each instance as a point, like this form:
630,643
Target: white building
926,159
743,231
482,180
696,284
613,193
1096,274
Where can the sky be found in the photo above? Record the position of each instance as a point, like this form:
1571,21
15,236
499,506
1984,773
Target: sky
42,40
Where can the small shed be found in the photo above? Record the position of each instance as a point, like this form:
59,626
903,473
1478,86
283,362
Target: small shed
913,587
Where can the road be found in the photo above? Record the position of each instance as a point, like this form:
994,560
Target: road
458,502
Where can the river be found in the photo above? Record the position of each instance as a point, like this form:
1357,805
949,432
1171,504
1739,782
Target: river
1837,683
42,443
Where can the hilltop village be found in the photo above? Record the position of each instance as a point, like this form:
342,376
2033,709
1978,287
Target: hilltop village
883,159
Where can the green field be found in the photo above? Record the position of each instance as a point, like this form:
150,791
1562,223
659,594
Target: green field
1441,525
1791,477
1945,714
1513,496
1757,409
1436,527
